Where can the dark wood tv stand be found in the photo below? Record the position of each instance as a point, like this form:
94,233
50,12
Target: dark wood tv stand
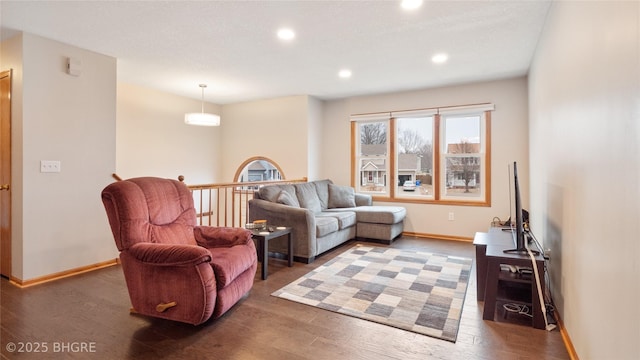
496,286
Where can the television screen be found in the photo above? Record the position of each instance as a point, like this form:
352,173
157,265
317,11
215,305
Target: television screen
517,226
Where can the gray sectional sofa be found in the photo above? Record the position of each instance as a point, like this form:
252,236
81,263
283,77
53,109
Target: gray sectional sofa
323,215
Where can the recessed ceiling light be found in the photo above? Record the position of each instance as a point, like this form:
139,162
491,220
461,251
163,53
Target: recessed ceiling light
411,4
440,58
345,73
286,34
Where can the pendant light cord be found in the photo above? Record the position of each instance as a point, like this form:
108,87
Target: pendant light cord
202,86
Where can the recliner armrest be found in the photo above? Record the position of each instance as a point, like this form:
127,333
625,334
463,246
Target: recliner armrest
169,254
213,236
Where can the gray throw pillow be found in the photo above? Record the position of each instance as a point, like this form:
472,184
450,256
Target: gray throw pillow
341,196
269,192
286,199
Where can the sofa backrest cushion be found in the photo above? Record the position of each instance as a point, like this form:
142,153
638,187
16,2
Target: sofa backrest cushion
308,197
322,188
341,196
286,198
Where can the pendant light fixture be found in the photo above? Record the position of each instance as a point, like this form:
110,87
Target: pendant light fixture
202,118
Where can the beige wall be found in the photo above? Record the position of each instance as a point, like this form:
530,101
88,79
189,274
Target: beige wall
585,170
274,128
58,221
153,140
509,143
315,136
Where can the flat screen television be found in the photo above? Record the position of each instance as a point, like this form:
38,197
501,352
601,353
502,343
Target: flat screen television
519,233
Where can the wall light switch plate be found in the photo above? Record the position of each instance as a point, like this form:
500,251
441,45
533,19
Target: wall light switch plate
49,166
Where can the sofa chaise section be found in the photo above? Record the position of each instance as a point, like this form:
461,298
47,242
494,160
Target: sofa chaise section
383,223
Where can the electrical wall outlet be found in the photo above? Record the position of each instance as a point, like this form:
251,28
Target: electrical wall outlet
451,216
49,166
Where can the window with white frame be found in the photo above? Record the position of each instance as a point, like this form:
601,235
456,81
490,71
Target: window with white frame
414,153
372,155
439,155
462,153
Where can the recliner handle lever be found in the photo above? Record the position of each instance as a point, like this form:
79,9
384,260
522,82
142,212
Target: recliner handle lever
164,306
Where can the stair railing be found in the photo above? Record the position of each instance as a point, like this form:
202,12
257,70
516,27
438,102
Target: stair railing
225,204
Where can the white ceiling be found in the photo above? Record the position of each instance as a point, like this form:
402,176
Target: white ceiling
232,46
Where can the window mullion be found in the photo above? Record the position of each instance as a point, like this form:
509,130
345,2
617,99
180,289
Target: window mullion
392,158
435,177
355,160
487,157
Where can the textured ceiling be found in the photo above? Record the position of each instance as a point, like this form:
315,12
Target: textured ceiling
232,46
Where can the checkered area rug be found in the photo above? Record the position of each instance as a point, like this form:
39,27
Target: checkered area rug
411,290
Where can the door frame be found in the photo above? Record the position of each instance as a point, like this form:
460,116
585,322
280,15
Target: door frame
5,173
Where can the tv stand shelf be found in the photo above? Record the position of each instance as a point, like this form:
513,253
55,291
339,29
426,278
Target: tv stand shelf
514,277
502,286
514,294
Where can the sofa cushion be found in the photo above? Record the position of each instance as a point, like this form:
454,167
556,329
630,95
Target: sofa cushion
322,189
269,192
363,199
380,214
308,197
384,232
345,218
341,196
287,199
326,225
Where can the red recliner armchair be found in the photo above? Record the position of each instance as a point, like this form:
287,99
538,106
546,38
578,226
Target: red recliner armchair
175,269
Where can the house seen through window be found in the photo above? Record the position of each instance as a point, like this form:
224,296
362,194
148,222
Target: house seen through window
258,169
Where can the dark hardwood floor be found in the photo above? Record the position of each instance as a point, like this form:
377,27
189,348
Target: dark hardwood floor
92,311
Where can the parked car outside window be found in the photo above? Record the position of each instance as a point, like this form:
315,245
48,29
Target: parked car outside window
409,185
